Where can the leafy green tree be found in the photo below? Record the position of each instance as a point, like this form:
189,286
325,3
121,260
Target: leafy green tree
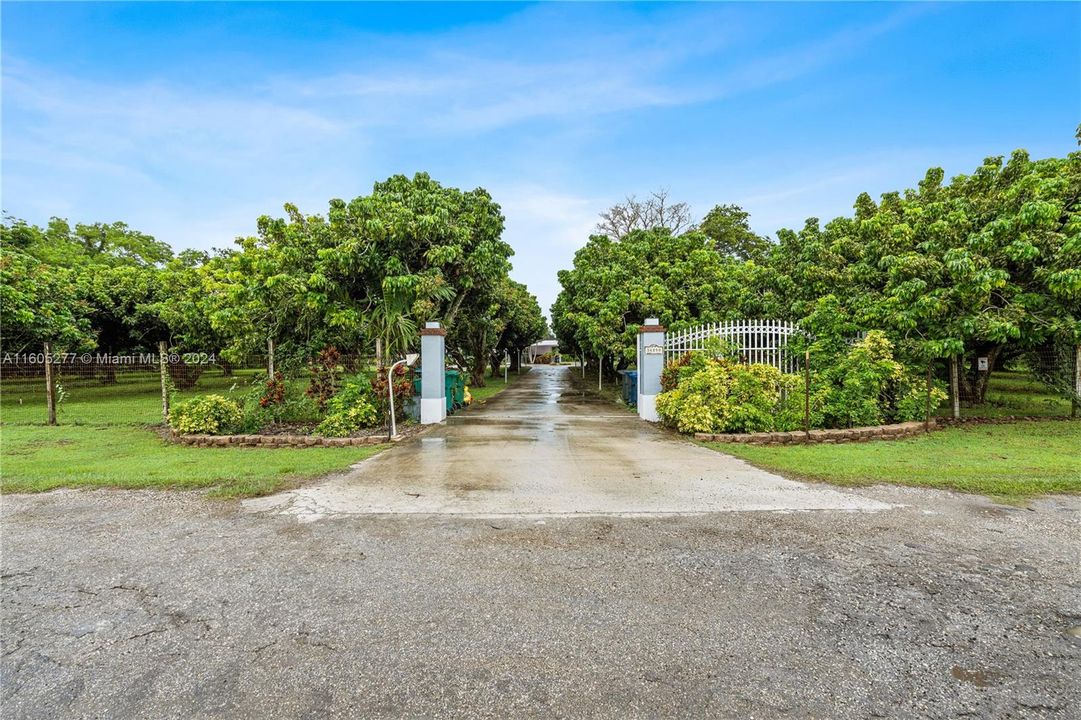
728,227
111,244
522,322
504,320
376,267
987,264
40,303
615,285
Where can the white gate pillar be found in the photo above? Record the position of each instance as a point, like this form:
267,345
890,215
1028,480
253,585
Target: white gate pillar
433,387
650,366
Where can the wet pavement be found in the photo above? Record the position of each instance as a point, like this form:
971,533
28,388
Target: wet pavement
546,446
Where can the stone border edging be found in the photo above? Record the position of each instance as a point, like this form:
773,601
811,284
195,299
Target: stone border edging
294,441
799,437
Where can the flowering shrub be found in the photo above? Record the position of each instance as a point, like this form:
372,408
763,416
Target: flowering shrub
209,414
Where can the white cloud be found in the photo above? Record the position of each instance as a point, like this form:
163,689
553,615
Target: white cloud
545,227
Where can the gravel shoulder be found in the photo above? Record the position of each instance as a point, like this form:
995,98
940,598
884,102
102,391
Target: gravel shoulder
148,604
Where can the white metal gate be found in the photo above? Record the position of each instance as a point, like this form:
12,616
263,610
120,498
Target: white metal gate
758,341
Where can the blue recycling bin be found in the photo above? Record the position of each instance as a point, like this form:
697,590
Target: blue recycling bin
630,387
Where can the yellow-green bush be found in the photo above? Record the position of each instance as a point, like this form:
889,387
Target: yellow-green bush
718,395
207,415
864,385
350,409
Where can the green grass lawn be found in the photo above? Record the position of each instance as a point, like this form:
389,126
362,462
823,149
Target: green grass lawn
34,458
103,440
1010,461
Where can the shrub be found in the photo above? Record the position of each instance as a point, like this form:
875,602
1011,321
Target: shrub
350,409
277,400
273,391
209,414
863,385
403,390
857,387
911,402
326,374
718,395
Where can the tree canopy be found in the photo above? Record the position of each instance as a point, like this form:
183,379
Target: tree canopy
986,262
372,269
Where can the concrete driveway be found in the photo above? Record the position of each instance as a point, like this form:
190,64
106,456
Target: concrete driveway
546,447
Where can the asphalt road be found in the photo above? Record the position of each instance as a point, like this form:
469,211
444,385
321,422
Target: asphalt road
153,605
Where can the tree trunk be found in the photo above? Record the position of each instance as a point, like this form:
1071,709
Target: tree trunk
184,376
973,381
479,360
107,374
476,370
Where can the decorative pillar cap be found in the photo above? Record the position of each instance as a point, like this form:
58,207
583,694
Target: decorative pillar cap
432,328
652,325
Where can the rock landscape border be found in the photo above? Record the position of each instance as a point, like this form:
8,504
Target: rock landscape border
799,437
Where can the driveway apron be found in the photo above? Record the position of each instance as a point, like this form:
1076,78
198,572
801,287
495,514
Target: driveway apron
545,447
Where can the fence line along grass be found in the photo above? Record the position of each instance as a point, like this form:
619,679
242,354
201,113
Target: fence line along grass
132,400
1009,461
1016,393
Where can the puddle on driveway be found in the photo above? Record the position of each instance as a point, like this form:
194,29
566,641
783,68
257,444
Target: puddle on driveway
979,678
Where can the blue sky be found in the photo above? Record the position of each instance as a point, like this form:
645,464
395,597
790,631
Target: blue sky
188,121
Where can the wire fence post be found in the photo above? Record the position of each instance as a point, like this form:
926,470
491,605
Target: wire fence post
955,388
930,386
50,385
1076,404
807,391
600,373
163,370
270,357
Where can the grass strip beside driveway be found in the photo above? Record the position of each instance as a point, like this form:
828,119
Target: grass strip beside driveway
36,458
1010,461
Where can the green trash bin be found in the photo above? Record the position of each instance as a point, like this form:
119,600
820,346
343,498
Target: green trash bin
450,380
459,391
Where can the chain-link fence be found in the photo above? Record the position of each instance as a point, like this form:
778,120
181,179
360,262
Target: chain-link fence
98,388
1038,382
